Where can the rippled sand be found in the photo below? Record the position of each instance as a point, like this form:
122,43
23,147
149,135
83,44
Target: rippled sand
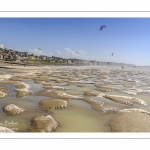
79,98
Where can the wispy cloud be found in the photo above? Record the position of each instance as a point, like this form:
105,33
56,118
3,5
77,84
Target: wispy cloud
37,52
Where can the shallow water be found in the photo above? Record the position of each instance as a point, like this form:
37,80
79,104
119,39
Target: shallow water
79,90
79,116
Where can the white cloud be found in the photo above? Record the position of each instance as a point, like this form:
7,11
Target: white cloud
1,46
75,54
58,54
20,50
37,52
50,54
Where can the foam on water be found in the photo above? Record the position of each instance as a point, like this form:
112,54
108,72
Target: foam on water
27,87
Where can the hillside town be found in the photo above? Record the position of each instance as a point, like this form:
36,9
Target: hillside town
10,55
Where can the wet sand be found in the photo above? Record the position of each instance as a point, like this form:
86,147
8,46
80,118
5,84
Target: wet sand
74,98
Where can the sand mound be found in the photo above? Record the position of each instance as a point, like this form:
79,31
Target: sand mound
22,93
130,92
54,87
43,124
61,81
57,94
17,84
2,94
3,89
51,104
106,88
6,76
131,120
17,79
5,130
98,105
89,93
126,100
12,109
20,85
37,79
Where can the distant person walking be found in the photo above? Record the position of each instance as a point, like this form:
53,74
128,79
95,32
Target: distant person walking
122,67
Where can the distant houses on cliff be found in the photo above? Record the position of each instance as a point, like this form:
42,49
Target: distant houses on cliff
13,55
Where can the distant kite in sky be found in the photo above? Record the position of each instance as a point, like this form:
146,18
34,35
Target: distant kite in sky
102,27
112,54
39,49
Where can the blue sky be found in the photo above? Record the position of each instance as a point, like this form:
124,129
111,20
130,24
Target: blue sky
128,38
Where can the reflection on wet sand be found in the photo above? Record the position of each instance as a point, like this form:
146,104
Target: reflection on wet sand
74,99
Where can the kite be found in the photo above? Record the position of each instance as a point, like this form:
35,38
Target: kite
112,54
39,49
102,27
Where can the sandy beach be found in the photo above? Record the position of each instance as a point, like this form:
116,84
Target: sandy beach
74,98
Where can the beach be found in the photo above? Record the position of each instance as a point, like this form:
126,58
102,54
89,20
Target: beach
74,98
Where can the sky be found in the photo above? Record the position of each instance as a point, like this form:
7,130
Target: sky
80,38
